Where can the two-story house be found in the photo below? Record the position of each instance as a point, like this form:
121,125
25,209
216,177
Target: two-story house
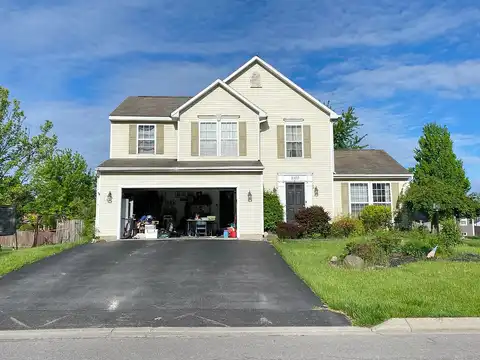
221,148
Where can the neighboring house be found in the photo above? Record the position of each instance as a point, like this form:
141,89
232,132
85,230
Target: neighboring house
254,130
469,227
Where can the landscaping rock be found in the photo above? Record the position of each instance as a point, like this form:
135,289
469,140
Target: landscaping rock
334,259
353,262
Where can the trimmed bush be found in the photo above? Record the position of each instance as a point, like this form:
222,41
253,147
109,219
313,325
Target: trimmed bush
376,217
369,251
272,210
449,234
314,220
416,248
389,241
289,230
346,226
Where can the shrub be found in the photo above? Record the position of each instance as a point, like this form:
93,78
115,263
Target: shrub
272,210
26,227
369,251
389,241
346,226
416,247
375,217
449,234
289,230
313,220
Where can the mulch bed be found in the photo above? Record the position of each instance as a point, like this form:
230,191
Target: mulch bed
466,257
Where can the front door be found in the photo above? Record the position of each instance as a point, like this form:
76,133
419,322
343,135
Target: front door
295,199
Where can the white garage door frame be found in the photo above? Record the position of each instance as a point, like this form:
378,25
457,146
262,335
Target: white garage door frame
170,187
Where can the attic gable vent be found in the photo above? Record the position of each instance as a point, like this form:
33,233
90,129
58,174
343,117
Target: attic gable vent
255,80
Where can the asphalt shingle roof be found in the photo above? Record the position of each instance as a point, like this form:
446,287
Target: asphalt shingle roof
366,162
149,105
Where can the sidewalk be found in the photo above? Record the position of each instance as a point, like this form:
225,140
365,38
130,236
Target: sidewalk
392,326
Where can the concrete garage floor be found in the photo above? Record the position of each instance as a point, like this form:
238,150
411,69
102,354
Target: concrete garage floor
161,283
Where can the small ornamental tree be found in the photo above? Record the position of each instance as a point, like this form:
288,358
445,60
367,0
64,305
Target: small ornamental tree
314,220
272,210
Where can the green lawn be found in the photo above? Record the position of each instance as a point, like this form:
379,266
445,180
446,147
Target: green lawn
368,297
11,260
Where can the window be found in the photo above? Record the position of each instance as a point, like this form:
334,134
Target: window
463,222
208,138
358,198
218,138
381,194
294,140
229,139
146,139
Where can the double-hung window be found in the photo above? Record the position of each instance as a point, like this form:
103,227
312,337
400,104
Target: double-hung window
146,139
358,197
218,138
294,140
363,194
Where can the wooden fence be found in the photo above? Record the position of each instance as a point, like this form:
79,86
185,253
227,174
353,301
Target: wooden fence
67,231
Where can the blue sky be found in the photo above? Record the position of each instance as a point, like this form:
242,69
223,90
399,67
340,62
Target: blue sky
401,64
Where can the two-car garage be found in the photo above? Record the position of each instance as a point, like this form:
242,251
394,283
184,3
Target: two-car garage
175,191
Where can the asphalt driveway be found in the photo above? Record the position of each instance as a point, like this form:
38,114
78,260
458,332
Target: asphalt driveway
161,283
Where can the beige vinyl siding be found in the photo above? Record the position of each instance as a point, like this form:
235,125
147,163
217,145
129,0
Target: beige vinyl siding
339,200
249,214
280,102
218,102
119,138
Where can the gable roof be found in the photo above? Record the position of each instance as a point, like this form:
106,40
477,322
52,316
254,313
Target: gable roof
141,106
219,83
367,162
256,60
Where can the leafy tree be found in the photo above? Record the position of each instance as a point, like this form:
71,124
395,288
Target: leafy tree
438,178
345,131
63,187
19,151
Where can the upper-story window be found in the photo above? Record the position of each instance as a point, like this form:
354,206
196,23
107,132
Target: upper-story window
363,194
218,138
146,139
294,140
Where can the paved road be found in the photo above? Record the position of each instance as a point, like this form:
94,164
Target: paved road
161,283
342,347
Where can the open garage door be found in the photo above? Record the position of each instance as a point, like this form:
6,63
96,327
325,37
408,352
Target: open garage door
148,213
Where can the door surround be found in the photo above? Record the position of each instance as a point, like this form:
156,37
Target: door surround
284,178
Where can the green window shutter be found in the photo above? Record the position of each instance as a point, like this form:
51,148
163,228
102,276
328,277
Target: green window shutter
242,138
345,199
195,139
132,139
395,194
280,141
307,143
160,145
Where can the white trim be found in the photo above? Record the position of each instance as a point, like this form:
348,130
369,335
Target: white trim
372,176
261,194
154,139
219,83
292,120
140,118
285,139
333,115
332,164
111,141
184,169
370,193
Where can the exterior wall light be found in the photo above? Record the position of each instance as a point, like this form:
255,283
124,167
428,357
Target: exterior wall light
109,197
249,195
315,191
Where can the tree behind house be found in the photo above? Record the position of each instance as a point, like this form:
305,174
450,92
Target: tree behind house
345,131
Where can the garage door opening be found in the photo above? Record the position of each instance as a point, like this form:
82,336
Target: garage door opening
178,212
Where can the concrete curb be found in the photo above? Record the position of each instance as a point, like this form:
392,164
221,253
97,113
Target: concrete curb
149,332
428,325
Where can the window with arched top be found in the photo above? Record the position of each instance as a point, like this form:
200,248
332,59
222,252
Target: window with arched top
255,80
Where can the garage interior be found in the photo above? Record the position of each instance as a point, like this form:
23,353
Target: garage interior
167,213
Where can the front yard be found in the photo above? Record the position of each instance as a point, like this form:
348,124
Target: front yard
426,288
11,260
